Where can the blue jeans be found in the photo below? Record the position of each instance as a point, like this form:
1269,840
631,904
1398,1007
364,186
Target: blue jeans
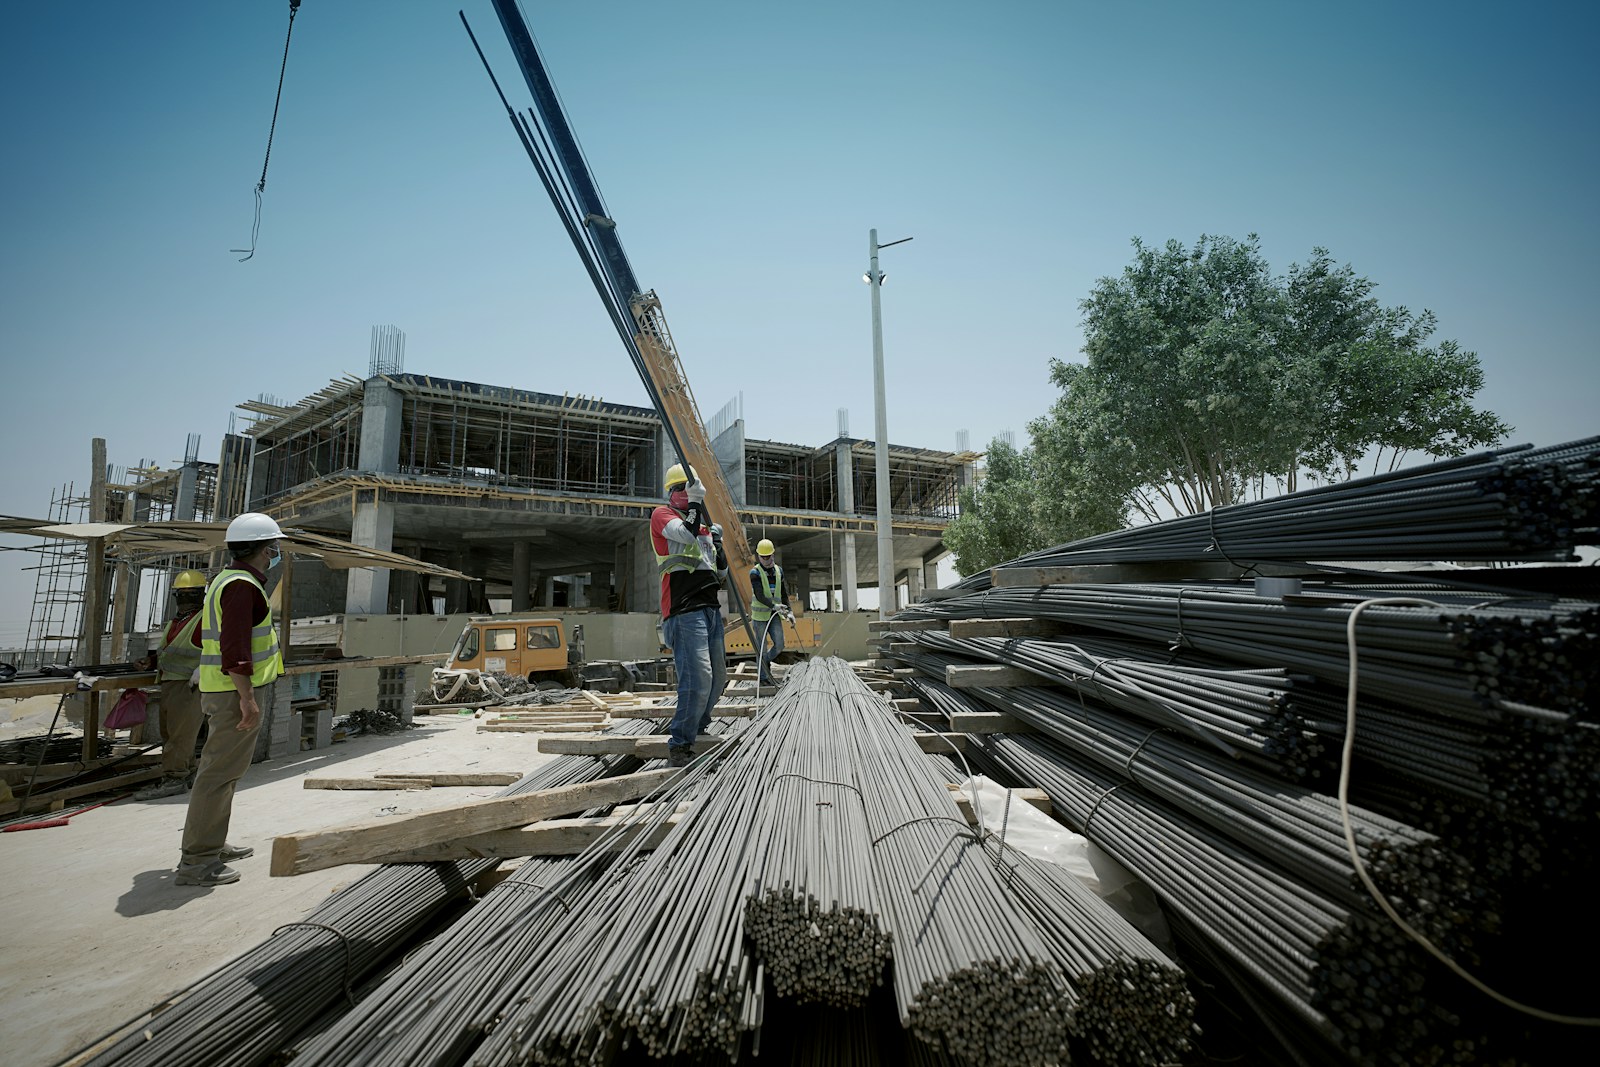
700,658
774,634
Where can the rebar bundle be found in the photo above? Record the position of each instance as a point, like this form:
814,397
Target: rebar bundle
1512,503
247,1010
1354,983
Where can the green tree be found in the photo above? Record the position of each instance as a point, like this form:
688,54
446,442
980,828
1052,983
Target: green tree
1209,380
998,520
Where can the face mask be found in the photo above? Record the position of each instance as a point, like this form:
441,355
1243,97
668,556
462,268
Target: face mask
679,499
276,557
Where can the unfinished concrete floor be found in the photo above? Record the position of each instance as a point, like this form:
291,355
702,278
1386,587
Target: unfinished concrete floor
96,931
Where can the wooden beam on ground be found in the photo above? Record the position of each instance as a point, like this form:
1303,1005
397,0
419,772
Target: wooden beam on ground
539,727
592,699
995,676
556,837
456,778
893,626
365,783
901,648
1037,798
42,801
425,708
646,746
368,842
941,744
1111,574
721,711
907,703
904,672
988,722
1006,627
19,773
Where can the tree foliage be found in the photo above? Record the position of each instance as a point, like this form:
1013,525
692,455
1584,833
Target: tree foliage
1209,380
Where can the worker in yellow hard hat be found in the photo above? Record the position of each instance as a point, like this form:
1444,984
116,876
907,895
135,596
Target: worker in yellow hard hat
177,661
692,565
770,607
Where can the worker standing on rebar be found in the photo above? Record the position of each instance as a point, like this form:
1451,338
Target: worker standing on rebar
770,609
691,564
178,660
239,664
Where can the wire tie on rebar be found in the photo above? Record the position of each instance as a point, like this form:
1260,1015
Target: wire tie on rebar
509,884
820,781
1127,768
349,959
1096,807
924,818
1181,641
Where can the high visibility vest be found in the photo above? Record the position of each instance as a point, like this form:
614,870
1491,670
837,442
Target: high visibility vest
265,659
178,658
684,558
770,584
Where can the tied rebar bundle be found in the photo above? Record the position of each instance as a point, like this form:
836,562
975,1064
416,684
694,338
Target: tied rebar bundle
1510,504
1134,1003
1243,713
243,1013
1354,983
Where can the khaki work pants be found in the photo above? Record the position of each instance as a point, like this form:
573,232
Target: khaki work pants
180,725
223,762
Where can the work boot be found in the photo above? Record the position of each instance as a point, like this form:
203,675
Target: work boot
206,874
679,755
230,853
162,787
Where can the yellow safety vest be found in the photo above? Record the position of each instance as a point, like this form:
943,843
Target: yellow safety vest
265,659
686,558
178,658
770,584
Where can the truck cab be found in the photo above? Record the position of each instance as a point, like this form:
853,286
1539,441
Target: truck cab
534,648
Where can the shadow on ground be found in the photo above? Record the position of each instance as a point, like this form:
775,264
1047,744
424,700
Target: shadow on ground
156,891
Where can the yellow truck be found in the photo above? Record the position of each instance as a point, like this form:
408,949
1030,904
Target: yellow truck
537,649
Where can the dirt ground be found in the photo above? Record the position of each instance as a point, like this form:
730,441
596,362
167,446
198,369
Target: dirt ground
96,931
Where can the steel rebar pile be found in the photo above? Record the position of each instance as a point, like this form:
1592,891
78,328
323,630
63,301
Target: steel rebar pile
1353,982
1511,504
1244,713
1134,1003
812,912
245,1011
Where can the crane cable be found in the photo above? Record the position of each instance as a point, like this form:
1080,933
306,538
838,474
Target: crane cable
255,229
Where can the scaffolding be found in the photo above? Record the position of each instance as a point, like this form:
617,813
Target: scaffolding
56,618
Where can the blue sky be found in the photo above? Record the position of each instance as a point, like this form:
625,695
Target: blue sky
1447,150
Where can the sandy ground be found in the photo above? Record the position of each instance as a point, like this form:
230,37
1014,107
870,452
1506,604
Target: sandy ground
96,931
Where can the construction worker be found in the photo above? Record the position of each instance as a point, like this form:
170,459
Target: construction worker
770,609
691,562
177,661
239,664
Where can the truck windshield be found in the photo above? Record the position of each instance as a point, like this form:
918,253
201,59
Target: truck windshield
467,647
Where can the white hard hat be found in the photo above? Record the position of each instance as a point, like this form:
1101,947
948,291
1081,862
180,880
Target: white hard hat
252,526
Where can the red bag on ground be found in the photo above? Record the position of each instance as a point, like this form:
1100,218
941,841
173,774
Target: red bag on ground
129,712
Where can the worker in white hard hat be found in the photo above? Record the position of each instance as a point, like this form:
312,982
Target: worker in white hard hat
239,668
177,662
770,607
692,564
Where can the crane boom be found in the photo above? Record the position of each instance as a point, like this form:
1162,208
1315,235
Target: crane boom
656,356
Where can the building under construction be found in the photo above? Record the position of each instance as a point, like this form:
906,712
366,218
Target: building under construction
547,497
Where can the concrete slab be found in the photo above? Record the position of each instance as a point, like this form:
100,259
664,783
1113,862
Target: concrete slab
96,930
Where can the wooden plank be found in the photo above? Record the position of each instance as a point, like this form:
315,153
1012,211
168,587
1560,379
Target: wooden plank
904,672
1109,574
988,722
1006,628
19,773
941,744
43,801
907,703
556,837
901,648
995,676
365,783
317,666
721,711
564,715
1037,798
645,746
425,708
538,727
456,778
592,699
906,625
367,842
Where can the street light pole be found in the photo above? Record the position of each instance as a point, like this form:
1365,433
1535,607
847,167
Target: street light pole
886,584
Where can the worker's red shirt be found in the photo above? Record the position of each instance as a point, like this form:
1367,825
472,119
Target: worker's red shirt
177,624
681,591
243,608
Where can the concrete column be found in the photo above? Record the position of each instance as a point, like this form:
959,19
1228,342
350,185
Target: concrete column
183,504
600,587
802,585
930,574
549,600
373,525
458,596
579,595
644,585
521,554
845,476
913,585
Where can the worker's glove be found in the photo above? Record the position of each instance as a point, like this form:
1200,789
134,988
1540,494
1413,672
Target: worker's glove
716,533
787,612
696,492
194,678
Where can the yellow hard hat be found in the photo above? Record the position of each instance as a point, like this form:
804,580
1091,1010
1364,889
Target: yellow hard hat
189,580
764,547
676,477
